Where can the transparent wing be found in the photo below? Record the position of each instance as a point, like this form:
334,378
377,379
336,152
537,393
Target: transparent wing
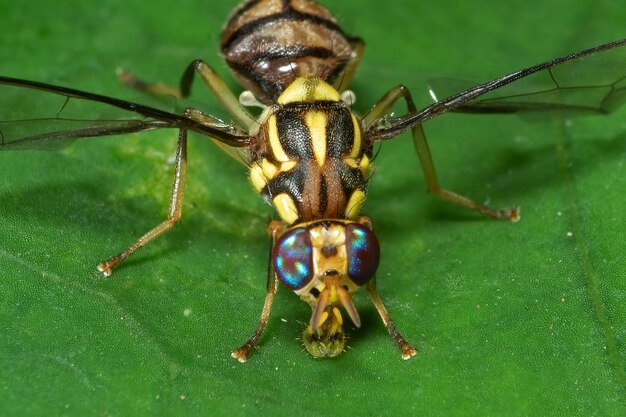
35,115
592,81
215,115
580,87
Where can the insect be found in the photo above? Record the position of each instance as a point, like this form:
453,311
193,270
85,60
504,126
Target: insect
309,154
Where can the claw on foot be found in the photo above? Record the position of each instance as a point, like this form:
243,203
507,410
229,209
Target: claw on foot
105,268
516,214
408,352
240,354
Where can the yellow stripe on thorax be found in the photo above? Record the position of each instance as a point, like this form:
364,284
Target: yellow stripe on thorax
356,146
272,133
316,122
286,208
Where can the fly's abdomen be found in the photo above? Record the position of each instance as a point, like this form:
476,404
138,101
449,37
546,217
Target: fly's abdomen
269,43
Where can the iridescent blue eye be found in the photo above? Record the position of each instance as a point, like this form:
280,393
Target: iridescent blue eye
293,258
363,253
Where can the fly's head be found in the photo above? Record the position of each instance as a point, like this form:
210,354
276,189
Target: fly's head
325,262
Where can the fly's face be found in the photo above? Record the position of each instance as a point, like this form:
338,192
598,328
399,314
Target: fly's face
325,262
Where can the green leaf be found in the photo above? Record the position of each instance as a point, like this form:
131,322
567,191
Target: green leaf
521,319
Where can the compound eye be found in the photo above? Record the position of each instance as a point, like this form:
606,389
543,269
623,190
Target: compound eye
363,253
293,258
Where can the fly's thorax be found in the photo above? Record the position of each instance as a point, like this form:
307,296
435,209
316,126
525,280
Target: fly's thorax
269,43
325,262
308,158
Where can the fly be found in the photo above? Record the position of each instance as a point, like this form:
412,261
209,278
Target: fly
308,154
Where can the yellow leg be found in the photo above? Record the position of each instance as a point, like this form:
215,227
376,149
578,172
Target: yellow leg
407,350
421,145
241,354
343,81
173,215
226,97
